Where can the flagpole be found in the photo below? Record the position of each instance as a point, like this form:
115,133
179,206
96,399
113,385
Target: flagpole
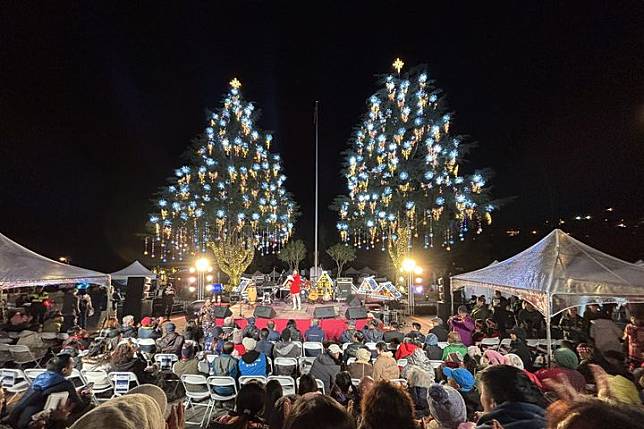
315,251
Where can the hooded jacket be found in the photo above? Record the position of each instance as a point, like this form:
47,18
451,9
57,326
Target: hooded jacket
287,349
253,363
385,367
325,368
171,342
515,415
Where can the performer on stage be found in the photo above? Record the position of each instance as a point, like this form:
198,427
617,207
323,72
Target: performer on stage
296,285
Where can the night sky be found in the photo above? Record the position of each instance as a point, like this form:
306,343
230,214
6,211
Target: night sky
99,100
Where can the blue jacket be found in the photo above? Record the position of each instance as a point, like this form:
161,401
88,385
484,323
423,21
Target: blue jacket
315,334
273,335
515,415
253,363
265,346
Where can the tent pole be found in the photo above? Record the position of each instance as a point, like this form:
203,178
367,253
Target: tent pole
548,337
451,299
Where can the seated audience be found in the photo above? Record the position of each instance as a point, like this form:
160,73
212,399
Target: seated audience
406,348
171,342
492,357
274,392
273,335
342,390
327,365
287,348
385,367
481,310
463,324
371,332
249,404
387,406
318,412
565,363
193,332
307,385
251,330
283,408
393,333
111,328
519,347
252,362
419,380
126,359
446,406
510,398
454,345
515,361
188,364
237,338
291,326
53,323
225,365
437,328
357,342
463,381
347,334
314,333
432,349
415,333
264,345
128,329
362,366
148,330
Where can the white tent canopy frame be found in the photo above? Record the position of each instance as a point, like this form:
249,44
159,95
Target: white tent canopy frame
21,267
135,269
557,273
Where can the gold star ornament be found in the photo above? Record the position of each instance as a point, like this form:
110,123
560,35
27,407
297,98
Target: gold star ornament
235,83
398,65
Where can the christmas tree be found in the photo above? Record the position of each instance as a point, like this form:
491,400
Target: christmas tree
402,169
229,197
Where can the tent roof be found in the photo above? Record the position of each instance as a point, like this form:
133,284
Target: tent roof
351,271
135,269
367,271
562,269
20,266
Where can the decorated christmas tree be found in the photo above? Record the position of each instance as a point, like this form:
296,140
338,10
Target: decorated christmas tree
229,197
405,184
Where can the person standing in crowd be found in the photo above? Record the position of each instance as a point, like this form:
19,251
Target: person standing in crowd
38,301
437,328
607,338
446,406
463,324
385,367
117,298
463,381
167,297
510,398
347,334
327,366
314,333
387,406
574,327
481,310
273,335
70,309
592,312
503,318
519,347
530,320
85,308
634,338
296,288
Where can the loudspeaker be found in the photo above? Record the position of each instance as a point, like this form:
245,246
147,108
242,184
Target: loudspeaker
327,312
134,297
264,312
354,313
354,301
221,312
345,286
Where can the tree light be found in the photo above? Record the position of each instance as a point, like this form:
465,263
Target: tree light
192,288
418,270
419,279
192,269
209,277
192,279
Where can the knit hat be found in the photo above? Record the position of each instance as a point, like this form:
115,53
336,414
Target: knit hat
134,411
461,376
363,355
566,358
446,405
249,344
431,339
514,360
153,391
146,321
493,357
170,327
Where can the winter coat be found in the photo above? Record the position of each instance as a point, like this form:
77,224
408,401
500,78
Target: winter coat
296,335
504,319
360,369
52,325
515,415
385,367
606,335
520,348
251,331
287,349
482,313
273,335
434,352
405,349
464,327
325,368
253,363
314,334
171,343
574,377
149,332
388,336
531,321
347,336
440,332
372,335
265,346
416,336
190,366
128,332
454,348
224,366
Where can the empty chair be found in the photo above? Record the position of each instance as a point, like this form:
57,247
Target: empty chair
490,343
288,384
217,384
312,349
304,364
285,366
246,378
32,373
165,360
102,384
14,380
197,391
21,355
121,381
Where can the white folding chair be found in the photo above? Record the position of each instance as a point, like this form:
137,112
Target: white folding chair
101,381
202,366
284,366
21,355
49,336
5,355
490,343
355,381
288,384
63,336
402,362
505,344
532,343
197,391
220,382
121,382
436,363
350,360
269,365
76,377
147,345
32,373
165,360
14,380
246,378
305,364
298,344
320,385
344,346
442,344
314,348
400,381
371,346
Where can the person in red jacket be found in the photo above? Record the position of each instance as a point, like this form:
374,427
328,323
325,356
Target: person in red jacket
296,286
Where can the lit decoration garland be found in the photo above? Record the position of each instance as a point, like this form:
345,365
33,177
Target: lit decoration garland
229,198
402,171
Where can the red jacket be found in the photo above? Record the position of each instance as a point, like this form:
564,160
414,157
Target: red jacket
296,284
404,350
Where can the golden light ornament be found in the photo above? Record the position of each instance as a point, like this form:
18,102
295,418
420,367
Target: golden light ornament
235,83
398,65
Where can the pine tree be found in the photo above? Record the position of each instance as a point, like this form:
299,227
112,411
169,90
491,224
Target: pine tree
229,197
402,169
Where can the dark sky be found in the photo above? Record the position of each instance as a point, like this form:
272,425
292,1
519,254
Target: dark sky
98,100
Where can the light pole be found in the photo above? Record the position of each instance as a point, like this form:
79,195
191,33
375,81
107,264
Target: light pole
409,266
202,266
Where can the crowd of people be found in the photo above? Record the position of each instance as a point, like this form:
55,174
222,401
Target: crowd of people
439,376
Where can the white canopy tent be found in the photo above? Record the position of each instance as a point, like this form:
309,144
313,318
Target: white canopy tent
557,273
135,269
20,267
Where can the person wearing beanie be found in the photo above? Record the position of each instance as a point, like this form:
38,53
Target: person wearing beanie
446,406
565,363
252,362
432,349
514,360
188,364
362,366
492,357
148,330
463,381
419,380
171,342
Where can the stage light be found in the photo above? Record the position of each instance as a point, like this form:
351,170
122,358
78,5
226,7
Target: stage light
408,265
192,288
192,269
202,264
192,279
209,277
418,270
419,279
210,288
